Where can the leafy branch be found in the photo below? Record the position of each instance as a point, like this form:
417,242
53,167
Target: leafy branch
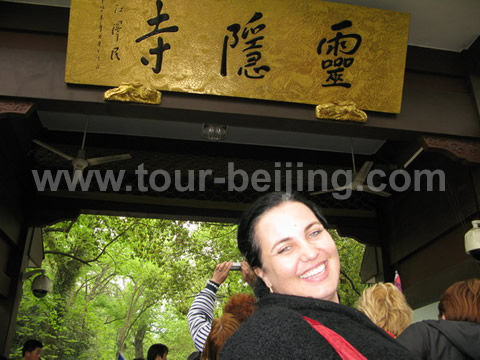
87,262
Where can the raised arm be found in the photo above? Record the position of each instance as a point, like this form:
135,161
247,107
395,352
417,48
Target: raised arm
200,314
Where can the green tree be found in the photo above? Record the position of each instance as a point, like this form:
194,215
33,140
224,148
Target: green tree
122,284
351,255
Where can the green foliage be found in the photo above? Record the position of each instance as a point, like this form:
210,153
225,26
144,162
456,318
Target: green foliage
122,283
351,255
172,330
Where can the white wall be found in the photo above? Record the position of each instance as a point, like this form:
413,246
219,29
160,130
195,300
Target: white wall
428,312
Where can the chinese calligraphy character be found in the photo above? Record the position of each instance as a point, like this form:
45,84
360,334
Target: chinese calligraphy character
251,48
115,53
116,28
161,46
100,32
158,51
339,44
118,8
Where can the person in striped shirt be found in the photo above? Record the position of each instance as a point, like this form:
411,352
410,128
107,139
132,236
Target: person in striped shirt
200,315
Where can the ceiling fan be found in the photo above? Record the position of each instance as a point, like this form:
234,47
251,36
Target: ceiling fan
358,183
81,162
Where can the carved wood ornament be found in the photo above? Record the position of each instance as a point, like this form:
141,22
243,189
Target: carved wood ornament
468,150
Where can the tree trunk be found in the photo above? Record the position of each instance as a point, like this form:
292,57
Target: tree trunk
138,342
132,307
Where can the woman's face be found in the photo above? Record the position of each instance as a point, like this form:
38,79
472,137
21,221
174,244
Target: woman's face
298,254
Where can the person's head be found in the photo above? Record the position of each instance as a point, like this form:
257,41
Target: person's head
32,349
157,352
461,301
284,238
241,306
222,328
387,307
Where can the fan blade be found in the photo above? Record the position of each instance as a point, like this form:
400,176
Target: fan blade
413,157
345,187
322,192
361,176
107,159
84,135
376,192
52,149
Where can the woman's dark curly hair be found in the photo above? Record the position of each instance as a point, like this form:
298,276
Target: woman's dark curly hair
246,238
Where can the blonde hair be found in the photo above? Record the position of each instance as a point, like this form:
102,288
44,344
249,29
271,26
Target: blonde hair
387,307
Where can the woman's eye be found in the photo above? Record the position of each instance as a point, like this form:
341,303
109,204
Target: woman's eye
284,249
315,233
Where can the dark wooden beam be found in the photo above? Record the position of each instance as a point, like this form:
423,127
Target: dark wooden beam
472,56
60,206
431,104
4,284
435,61
213,149
31,17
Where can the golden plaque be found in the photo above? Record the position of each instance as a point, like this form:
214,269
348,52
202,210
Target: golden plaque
311,52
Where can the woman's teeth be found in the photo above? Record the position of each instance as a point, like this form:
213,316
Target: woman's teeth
313,272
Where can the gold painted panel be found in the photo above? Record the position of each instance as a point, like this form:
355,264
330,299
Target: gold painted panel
310,52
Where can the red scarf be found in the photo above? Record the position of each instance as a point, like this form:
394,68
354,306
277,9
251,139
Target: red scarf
344,349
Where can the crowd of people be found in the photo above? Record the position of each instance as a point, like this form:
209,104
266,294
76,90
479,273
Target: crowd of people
293,267
284,240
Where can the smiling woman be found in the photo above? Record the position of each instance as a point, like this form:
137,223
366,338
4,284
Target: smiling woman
299,255
284,239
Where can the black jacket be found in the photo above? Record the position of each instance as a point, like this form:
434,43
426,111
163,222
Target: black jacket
278,331
443,339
